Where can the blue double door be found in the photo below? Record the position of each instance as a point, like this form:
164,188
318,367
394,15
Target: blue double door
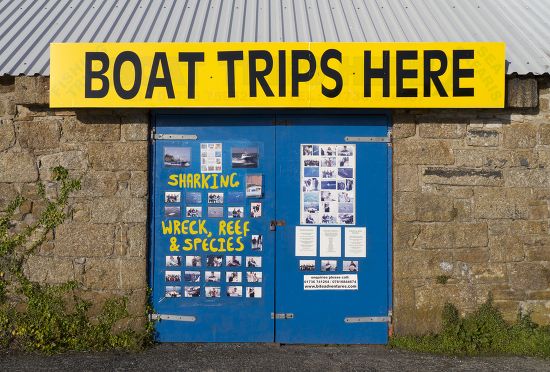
271,228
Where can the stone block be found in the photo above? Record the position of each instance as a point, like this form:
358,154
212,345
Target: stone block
118,156
7,104
102,274
442,130
7,134
71,160
403,130
7,84
404,235
117,209
522,93
89,127
8,193
133,273
416,264
506,248
135,132
423,207
431,298
463,176
501,203
452,235
525,177
545,134
468,158
32,90
18,167
486,273
137,240
427,152
84,240
138,184
482,138
39,134
471,255
97,183
405,178
538,253
51,270
528,276
518,135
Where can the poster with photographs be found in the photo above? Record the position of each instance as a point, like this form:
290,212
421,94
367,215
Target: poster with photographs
211,157
327,184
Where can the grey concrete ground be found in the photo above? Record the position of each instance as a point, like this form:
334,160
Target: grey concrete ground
251,357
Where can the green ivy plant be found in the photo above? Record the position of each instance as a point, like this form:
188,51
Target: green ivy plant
53,318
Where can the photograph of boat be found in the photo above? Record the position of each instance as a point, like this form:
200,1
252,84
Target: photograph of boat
244,157
177,157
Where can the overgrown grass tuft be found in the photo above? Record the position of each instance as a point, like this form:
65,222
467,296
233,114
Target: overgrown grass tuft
482,332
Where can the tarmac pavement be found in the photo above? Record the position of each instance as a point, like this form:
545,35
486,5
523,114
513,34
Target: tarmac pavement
265,357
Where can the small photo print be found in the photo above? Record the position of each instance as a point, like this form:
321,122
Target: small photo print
215,198
344,150
314,162
233,261
193,212
311,172
257,242
193,197
173,276
328,185
310,150
345,197
311,197
192,276
254,292
345,172
235,197
244,157
329,207
328,150
328,196
253,261
328,265
212,291
307,265
177,157
172,197
328,173
235,212
349,185
310,184
172,292
215,212
328,219
254,277
351,266
344,161
328,161
173,260
233,277
214,261
255,210
311,218
172,211
193,261
346,218
311,207
234,291
193,291
213,276
254,185
345,208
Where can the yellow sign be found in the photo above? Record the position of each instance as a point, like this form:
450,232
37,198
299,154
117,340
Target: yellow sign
354,75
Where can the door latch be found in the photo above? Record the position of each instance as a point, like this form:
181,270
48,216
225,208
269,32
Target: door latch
274,223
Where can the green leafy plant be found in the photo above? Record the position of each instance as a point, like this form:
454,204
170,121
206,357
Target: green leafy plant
53,318
482,332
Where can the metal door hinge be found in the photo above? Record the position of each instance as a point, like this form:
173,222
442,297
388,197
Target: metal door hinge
282,316
368,319
178,318
386,139
159,136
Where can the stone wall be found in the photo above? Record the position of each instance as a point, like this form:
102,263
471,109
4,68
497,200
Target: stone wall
471,211
103,242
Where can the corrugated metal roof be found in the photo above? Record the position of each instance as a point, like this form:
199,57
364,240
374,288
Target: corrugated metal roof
28,26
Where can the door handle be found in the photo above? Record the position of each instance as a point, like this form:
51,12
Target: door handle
274,223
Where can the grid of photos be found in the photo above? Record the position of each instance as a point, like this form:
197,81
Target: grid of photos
329,265
211,157
327,184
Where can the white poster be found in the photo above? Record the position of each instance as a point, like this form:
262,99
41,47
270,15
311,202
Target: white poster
355,242
211,157
331,241
329,281
327,184
306,241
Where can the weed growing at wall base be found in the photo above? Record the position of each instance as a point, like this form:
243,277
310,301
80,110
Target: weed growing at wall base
53,318
483,332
